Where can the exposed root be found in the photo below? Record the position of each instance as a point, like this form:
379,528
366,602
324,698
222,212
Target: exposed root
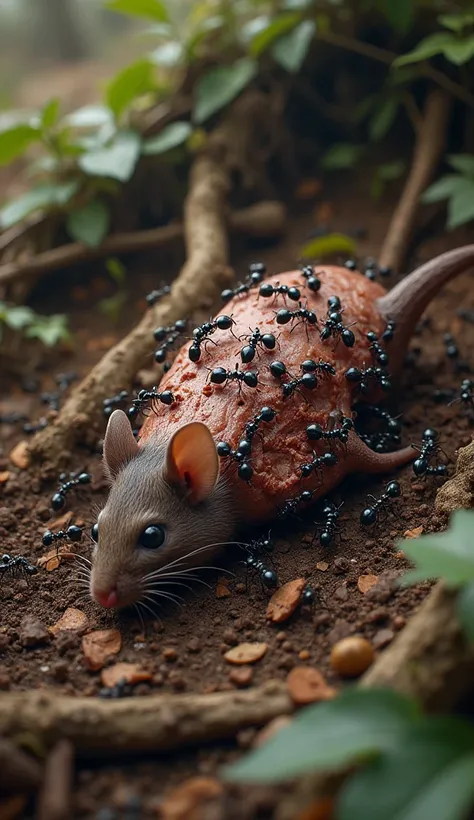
458,492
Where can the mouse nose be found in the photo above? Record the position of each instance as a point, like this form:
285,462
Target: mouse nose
106,598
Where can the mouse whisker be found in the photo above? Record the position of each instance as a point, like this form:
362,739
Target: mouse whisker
162,579
135,606
80,557
176,599
160,573
141,603
200,549
171,584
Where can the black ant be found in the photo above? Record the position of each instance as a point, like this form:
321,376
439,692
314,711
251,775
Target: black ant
379,354
362,378
11,564
380,441
267,289
292,504
331,513
168,336
371,269
283,316
256,339
59,498
33,427
334,326
155,295
315,432
312,281
73,533
201,334
219,375
257,271
243,452
318,462
256,549
465,394
121,689
389,332
428,450
114,401
452,353
308,596
321,367
308,379
144,396
370,514
12,418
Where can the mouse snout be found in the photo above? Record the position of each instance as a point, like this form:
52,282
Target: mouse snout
105,597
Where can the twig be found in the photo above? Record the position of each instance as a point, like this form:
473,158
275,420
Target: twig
429,145
55,798
151,723
265,219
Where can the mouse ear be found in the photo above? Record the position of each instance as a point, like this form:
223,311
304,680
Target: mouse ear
192,461
119,445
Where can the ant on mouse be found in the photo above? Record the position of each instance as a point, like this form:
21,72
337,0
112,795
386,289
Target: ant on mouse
379,354
315,432
305,316
243,452
266,290
292,504
168,336
73,533
318,462
59,498
257,339
11,564
308,379
429,449
389,332
202,333
331,513
219,375
363,377
139,405
312,281
155,295
253,561
334,326
257,271
111,403
321,367
370,514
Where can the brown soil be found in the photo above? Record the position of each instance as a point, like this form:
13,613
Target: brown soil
206,626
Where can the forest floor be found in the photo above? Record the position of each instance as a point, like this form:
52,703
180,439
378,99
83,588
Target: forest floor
183,651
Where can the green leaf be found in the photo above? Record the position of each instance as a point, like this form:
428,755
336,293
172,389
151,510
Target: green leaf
254,27
17,316
90,116
89,224
152,9
117,160
172,136
44,196
459,51
431,45
220,86
297,5
445,187
356,725
341,156
461,209
112,306
463,163
291,49
15,141
168,54
383,118
428,773
465,608
50,114
275,29
399,14
391,170
135,80
49,329
116,269
448,554
456,22
328,245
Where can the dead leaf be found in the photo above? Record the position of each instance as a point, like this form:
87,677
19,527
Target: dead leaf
61,523
307,685
187,800
284,601
308,189
222,589
20,456
4,476
99,646
129,672
366,582
322,566
414,533
73,620
246,653
53,559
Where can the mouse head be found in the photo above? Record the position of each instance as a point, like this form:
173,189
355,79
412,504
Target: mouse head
166,501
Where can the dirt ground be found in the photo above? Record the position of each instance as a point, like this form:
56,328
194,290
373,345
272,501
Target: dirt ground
183,651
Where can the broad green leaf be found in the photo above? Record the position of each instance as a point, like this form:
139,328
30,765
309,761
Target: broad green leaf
448,554
291,49
130,83
89,224
461,210
456,22
15,141
273,31
383,118
172,136
328,245
49,329
355,726
254,27
117,160
17,316
445,187
465,608
431,45
463,163
459,51
152,9
296,5
220,86
44,196
400,14
50,114
341,156
415,780
90,116
168,54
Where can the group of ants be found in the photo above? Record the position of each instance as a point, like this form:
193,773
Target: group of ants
258,551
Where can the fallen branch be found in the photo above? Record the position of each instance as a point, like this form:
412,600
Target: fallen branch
265,220
153,723
430,142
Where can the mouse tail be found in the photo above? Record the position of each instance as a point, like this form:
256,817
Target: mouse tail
365,460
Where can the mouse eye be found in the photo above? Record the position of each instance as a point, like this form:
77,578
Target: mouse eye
95,533
152,537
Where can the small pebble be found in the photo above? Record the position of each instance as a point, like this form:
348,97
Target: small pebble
170,655
341,565
382,638
241,677
230,637
246,653
351,656
399,622
307,685
280,636
341,593
379,614
33,632
193,645
304,655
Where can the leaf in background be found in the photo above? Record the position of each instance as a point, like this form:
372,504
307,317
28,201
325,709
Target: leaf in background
445,187
328,245
354,726
463,163
116,269
461,209
49,329
383,118
152,9
254,27
456,22
297,5
459,51
89,224
431,45
44,196
341,156
273,31
465,609
50,114
117,160
291,49
15,141
429,773
130,83
112,306
448,555
17,316
172,136
168,54
220,86
399,13
90,116
387,172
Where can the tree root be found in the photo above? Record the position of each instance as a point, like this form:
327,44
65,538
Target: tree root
430,142
458,492
55,798
153,723
265,220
